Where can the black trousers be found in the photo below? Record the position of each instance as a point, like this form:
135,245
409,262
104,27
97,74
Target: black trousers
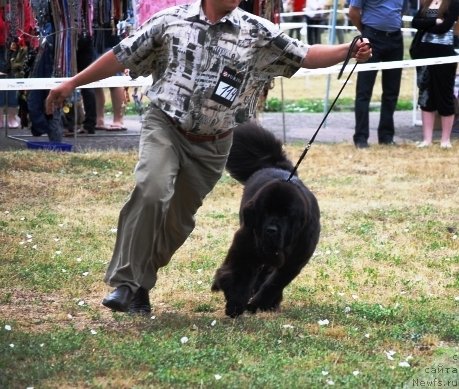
85,56
386,47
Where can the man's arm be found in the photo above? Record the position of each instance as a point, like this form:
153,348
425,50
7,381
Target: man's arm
107,65
355,15
322,56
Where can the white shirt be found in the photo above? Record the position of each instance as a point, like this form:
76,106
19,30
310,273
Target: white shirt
189,58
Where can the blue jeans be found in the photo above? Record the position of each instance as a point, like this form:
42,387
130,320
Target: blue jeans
385,48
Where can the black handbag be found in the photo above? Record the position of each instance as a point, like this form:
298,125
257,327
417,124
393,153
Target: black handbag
415,49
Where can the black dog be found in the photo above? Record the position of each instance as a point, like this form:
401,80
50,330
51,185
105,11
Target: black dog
279,224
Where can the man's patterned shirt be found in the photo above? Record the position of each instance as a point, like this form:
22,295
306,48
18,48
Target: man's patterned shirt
188,56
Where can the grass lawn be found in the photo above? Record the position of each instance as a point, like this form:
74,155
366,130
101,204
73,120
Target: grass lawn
377,306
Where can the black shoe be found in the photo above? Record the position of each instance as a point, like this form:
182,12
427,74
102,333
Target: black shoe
140,303
119,299
388,143
85,131
362,145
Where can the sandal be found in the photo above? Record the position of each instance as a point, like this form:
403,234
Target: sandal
423,145
116,128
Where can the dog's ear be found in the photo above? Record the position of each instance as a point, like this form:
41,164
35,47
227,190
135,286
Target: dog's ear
249,215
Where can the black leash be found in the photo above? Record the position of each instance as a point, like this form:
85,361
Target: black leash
346,61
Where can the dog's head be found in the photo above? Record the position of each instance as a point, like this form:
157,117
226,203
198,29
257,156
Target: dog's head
276,215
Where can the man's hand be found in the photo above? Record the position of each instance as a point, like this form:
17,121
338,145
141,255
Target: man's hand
57,97
362,50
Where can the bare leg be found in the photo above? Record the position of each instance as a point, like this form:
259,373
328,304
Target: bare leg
428,121
11,117
117,95
446,128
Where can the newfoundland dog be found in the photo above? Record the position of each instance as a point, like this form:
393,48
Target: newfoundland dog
279,224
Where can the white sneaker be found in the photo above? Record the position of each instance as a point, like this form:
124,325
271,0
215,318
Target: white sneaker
423,145
446,145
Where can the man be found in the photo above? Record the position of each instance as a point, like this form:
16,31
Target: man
379,21
209,60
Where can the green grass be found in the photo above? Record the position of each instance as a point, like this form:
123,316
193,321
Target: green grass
345,104
375,308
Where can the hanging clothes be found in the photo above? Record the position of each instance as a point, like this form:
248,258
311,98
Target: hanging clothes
144,9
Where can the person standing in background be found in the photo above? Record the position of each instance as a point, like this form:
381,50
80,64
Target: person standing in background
106,36
8,99
296,6
380,21
340,18
436,82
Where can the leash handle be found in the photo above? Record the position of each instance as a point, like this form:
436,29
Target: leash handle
346,61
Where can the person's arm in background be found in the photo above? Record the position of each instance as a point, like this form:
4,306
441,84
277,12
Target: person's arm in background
437,25
355,16
107,65
321,56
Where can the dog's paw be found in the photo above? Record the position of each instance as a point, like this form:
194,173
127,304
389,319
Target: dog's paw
234,310
263,305
215,286
263,308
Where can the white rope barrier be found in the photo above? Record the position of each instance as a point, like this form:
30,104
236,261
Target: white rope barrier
126,81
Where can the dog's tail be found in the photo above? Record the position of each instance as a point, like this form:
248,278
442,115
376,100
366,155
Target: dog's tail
255,148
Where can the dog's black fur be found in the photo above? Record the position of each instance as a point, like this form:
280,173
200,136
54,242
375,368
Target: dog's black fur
279,224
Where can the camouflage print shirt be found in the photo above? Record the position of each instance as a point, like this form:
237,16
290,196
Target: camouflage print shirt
208,76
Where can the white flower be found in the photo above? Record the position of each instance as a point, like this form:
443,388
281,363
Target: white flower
12,345
288,326
213,323
153,317
324,322
7,327
456,298
390,354
356,373
367,336
93,332
347,310
81,303
85,273
325,372
330,382
184,339
404,364
217,377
